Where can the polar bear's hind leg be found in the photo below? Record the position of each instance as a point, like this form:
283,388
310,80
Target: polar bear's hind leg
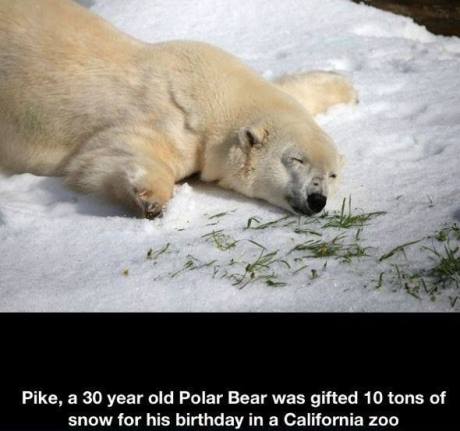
318,91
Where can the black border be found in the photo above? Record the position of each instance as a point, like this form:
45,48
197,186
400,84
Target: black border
241,351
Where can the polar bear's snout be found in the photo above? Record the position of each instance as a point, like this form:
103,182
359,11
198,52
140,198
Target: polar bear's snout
316,202
307,204
308,186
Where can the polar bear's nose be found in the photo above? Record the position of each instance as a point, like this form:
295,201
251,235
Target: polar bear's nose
316,202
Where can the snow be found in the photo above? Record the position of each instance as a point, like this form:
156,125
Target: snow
61,251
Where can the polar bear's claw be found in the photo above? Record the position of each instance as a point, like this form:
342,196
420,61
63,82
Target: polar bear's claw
152,210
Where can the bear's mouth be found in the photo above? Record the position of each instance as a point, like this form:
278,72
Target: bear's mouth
298,208
302,211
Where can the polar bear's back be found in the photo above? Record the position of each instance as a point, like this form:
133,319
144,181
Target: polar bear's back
52,55
66,74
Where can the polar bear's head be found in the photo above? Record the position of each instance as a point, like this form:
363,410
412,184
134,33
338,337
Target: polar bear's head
293,165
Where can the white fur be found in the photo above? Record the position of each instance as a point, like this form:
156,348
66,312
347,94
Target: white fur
126,119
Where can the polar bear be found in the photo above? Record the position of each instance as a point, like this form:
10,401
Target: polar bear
126,120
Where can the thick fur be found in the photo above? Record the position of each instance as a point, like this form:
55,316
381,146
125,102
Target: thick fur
317,91
126,120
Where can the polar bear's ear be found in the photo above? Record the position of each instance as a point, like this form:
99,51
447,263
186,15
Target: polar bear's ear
252,137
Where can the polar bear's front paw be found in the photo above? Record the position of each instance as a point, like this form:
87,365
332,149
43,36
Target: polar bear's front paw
153,210
149,207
